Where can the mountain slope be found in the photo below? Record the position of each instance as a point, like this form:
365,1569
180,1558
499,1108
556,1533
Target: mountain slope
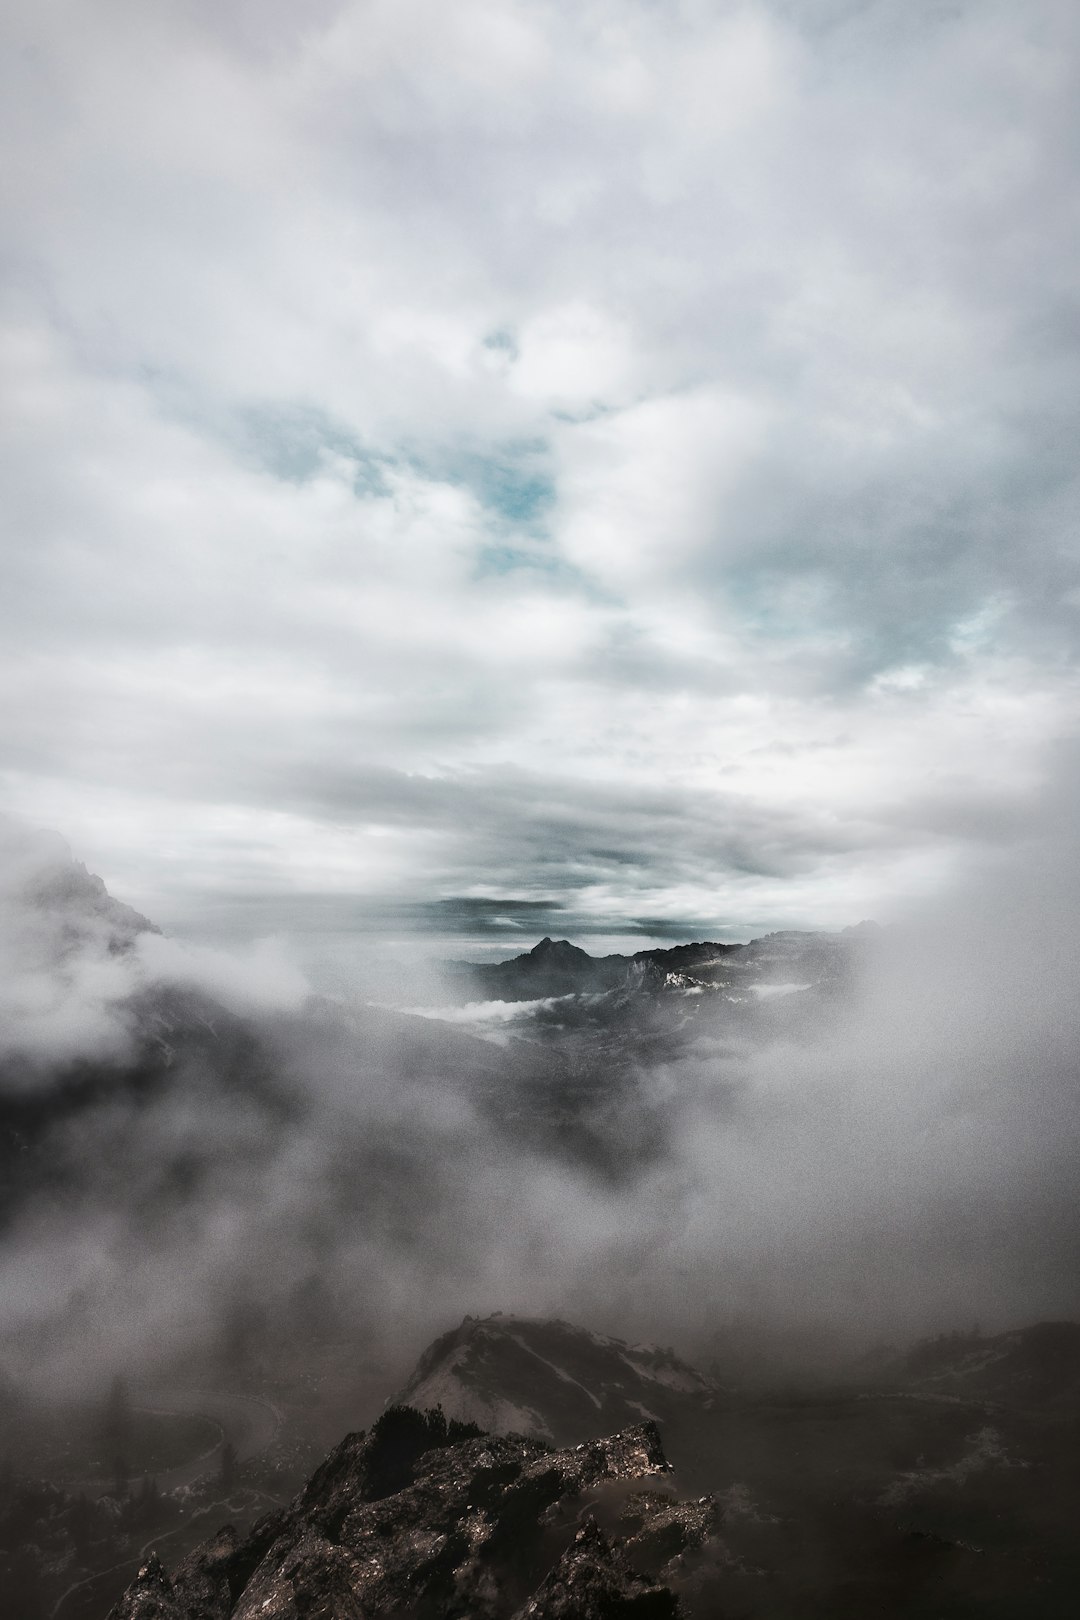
515,1374
51,897
1032,1367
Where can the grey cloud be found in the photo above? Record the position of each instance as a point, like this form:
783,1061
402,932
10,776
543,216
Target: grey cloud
908,1162
484,471
405,387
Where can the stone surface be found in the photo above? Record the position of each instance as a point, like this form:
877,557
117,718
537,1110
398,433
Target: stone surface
429,1518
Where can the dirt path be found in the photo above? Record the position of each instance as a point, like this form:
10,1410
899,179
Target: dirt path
251,1424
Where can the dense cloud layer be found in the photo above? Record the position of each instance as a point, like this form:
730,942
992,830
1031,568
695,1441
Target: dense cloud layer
515,467
614,453
905,1163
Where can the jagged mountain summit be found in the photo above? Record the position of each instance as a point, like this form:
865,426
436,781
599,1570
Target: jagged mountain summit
561,1383
430,1519
776,964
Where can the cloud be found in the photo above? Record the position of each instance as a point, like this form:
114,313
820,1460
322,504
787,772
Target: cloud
571,406
261,979
905,1164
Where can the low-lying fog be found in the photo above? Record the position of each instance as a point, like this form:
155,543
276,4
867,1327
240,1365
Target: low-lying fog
178,1177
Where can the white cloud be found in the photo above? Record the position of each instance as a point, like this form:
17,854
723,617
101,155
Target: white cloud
656,399
573,357
261,979
645,489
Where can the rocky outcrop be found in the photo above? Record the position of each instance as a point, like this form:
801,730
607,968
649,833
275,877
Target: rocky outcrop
430,1519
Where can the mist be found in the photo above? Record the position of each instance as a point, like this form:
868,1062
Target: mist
214,1144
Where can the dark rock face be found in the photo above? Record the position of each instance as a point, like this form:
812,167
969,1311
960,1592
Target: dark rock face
590,1578
430,1519
784,961
551,968
553,1380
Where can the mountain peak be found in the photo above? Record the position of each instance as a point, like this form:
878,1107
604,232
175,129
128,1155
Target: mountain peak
558,951
55,895
550,1378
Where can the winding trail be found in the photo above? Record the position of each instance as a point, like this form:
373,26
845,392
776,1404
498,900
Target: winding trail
249,1422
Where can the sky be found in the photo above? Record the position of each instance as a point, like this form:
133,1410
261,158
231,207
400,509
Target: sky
468,466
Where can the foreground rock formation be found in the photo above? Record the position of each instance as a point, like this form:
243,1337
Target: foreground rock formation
426,1518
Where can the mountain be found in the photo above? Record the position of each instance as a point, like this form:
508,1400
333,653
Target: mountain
913,1498
944,1487
551,968
56,904
1036,1367
514,1374
904,1502
776,964
430,1519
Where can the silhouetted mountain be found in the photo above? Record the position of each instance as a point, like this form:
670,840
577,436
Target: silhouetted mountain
551,968
784,963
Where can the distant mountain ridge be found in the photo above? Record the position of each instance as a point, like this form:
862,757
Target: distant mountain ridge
1030,1366
786,960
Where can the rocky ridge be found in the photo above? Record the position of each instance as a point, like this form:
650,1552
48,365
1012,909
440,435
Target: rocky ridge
431,1519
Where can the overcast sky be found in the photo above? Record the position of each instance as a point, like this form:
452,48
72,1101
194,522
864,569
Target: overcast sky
618,453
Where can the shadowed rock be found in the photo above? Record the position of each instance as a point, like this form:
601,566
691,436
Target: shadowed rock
430,1519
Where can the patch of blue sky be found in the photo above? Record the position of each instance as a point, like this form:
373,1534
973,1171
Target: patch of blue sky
514,484
512,480
503,341
854,623
293,443
524,495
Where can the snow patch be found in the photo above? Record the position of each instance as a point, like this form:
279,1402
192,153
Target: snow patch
558,1371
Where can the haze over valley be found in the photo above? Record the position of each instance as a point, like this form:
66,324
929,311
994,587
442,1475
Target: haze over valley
248,1207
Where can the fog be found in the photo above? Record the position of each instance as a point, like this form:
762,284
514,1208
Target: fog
197,1145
